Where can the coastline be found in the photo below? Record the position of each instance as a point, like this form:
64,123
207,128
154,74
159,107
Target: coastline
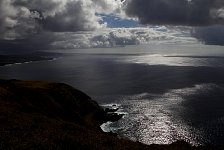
44,115
8,60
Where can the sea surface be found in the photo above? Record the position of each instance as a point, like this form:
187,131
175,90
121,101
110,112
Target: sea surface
167,92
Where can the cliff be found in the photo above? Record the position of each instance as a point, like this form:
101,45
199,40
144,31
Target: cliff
42,115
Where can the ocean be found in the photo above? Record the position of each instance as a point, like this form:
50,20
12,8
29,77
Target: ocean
168,92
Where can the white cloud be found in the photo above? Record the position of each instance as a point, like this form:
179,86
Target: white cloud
22,18
123,36
77,24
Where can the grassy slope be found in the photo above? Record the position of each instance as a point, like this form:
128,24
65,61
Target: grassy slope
41,115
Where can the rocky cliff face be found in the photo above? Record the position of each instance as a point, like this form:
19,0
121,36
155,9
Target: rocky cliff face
53,100
42,115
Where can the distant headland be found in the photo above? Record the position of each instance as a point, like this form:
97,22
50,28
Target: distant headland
11,59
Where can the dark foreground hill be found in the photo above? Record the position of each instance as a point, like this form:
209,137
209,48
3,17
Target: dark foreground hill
42,115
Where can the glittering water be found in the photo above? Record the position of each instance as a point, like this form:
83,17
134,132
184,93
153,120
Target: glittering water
163,118
167,92
177,60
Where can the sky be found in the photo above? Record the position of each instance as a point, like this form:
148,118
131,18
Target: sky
66,24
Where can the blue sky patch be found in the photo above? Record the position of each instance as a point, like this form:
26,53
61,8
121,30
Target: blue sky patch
117,22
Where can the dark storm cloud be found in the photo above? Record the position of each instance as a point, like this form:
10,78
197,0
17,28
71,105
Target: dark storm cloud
36,42
36,24
176,12
74,18
30,24
21,18
212,35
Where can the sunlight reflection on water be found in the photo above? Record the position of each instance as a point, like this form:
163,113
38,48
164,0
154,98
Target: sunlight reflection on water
159,120
158,106
175,60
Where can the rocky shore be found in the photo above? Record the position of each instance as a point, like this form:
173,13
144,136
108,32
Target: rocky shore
43,115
